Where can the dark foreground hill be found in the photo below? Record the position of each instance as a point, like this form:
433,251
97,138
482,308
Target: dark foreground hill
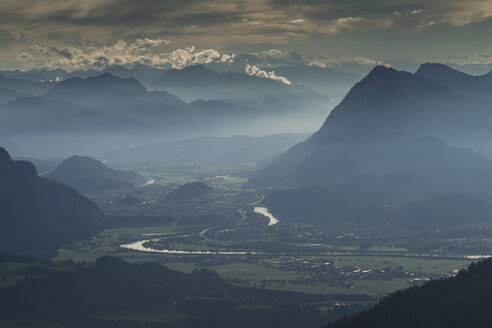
190,190
86,174
114,293
37,213
461,301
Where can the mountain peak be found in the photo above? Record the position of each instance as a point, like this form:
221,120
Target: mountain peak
5,159
381,71
196,69
429,69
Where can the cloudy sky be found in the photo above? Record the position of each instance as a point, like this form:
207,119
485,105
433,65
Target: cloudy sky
75,34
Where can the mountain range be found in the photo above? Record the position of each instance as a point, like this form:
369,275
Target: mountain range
388,130
382,127
198,82
462,83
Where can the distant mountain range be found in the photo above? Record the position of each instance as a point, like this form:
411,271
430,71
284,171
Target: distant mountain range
38,214
325,81
142,73
461,301
125,97
86,174
24,86
198,82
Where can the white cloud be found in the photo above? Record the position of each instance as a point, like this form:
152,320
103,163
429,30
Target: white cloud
141,51
317,63
355,23
297,21
347,20
370,62
415,12
272,52
256,71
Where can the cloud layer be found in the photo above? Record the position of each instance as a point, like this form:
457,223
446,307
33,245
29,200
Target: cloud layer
216,22
91,30
140,51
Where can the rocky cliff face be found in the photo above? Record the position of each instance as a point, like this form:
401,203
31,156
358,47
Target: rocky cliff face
39,214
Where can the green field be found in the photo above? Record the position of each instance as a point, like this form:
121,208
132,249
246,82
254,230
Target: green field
410,264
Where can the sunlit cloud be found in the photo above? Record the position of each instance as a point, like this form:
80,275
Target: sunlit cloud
141,51
256,71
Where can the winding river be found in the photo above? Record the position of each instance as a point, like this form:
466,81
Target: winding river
139,246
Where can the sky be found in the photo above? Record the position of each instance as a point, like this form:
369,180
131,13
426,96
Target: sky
75,34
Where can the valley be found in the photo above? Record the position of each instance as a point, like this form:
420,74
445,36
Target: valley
225,233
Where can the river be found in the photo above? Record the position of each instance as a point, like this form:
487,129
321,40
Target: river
264,211
139,246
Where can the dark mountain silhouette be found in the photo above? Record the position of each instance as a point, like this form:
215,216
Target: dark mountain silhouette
375,130
198,82
86,174
103,294
190,190
37,213
462,83
461,301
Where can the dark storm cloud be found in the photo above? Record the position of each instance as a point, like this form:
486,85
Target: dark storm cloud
214,24
280,19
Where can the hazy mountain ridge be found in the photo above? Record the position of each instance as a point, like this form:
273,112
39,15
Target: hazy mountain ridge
381,117
206,150
106,89
23,86
86,174
32,115
477,86
199,82
375,135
